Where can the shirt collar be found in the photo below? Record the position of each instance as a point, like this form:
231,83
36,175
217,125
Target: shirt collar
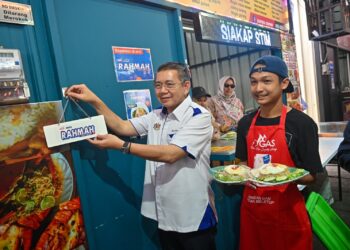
181,109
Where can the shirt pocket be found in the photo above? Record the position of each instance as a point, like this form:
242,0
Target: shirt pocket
170,136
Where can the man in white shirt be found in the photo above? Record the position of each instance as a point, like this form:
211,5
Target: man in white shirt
177,190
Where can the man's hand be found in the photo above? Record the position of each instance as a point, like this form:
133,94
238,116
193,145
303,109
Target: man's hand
107,141
81,92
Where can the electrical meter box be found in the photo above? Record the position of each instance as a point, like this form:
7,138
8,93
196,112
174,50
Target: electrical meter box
13,86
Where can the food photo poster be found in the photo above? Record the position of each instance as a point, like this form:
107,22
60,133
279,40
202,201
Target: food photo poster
137,102
289,55
39,202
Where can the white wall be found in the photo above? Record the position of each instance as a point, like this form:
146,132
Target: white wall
306,59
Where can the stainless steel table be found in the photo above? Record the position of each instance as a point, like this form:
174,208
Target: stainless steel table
328,147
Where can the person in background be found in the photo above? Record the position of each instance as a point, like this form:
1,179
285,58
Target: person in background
177,190
200,96
226,107
275,217
343,154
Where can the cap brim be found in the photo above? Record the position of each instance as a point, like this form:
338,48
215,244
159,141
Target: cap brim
199,96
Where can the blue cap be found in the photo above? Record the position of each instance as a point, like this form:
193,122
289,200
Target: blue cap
274,65
198,92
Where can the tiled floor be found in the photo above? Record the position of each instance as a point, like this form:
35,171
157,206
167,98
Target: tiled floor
341,207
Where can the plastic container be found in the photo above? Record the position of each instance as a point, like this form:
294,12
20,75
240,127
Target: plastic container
224,143
326,224
331,129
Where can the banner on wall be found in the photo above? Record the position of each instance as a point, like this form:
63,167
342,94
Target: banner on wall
132,64
289,55
40,206
268,13
137,102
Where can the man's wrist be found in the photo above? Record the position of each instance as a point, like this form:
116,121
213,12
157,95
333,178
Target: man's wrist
126,147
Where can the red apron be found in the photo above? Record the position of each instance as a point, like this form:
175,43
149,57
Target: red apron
273,218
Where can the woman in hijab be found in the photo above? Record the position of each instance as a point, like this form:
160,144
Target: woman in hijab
226,107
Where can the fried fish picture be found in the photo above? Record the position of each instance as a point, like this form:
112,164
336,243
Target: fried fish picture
66,230
37,184
21,134
29,196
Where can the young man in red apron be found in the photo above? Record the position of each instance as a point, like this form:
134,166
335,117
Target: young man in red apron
275,217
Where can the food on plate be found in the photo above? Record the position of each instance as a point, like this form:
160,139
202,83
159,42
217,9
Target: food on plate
66,230
63,228
33,187
19,235
275,172
217,149
10,237
21,132
232,173
139,111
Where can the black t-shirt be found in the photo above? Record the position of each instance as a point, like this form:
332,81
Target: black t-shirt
301,136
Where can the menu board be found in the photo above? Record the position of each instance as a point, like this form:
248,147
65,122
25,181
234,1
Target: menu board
40,207
268,13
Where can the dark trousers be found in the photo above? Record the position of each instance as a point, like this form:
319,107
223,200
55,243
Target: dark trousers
199,240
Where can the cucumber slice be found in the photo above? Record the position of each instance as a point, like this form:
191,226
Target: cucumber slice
269,178
235,178
281,178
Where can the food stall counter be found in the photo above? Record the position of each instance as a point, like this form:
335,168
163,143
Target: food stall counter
223,150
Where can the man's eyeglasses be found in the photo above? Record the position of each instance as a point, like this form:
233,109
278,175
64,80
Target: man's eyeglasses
232,86
167,85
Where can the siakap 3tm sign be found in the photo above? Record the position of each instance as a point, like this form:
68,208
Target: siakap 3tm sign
210,28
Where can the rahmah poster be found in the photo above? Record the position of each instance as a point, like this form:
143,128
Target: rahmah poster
132,64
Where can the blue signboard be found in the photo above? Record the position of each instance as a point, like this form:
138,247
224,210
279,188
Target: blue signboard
132,64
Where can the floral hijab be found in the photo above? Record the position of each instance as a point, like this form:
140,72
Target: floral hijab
228,109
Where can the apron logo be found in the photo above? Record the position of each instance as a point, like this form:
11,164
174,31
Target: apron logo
260,199
262,144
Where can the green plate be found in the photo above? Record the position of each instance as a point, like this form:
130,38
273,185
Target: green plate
215,170
291,177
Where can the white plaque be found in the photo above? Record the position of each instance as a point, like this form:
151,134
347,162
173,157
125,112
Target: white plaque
77,130
16,13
